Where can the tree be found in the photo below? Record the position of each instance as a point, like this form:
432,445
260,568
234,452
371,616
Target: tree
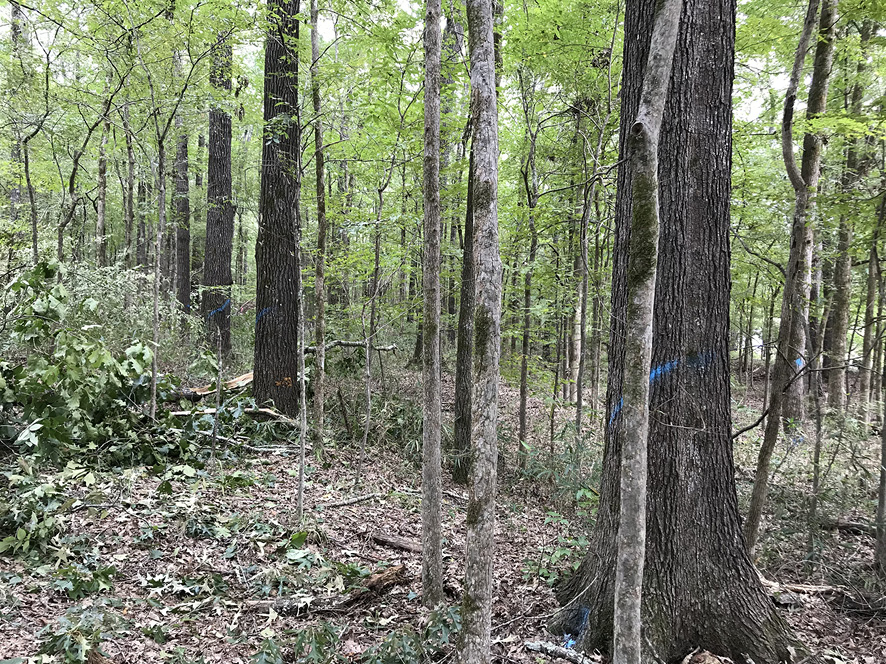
217,279
694,549
431,505
276,323
642,145
791,349
476,609
319,378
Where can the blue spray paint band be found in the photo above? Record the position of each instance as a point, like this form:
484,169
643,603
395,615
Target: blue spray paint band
697,361
262,313
219,309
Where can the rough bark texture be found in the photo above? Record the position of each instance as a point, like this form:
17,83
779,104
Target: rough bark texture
431,482
217,279
17,38
839,321
319,378
699,588
182,221
476,610
642,147
790,355
276,325
465,344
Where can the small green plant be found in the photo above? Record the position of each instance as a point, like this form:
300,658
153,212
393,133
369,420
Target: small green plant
30,514
78,581
407,645
77,633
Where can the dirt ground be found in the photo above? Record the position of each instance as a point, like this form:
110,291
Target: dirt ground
200,564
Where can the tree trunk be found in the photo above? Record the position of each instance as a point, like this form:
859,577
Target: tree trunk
843,267
182,223
101,217
461,462
276,329
866,378
129,195
158,244
792,327
694,552
319,378
476,609
219,245
530,182
642,147
431,505
141,241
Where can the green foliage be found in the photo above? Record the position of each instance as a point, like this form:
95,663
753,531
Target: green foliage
78,581
78,632
71,392
30,511
407,645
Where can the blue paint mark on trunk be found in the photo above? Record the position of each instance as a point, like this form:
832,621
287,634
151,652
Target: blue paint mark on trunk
697,361
219,309
261,313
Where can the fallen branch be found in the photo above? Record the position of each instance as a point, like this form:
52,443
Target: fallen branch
340,343
562,653
852,527
269,412
351,501
396,542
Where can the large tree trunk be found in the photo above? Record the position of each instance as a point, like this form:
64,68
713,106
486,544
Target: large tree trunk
699,587
784,402
319,377
275,366
476,608
431,506
217,279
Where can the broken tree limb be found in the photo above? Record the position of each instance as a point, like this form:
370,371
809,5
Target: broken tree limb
341,343
852,527
396,542
268,412
351,501
568,654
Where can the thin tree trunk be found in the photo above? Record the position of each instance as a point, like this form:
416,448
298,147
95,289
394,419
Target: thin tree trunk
642,157
476,610
129,194
182,223
158,244
431,505
465,345
319,378
791,333
866,379
101,238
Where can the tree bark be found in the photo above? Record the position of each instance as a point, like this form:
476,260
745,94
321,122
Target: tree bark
182,223
319,377
217,279
642,147
476,609
694,552
101,218
129,195
276,324
790,350
431,505
461,463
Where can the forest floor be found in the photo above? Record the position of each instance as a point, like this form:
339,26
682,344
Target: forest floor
206,565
